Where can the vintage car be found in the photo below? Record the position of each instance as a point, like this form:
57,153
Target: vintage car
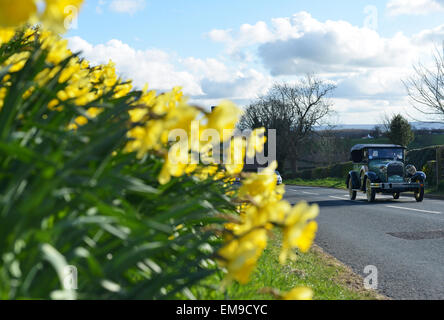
381,168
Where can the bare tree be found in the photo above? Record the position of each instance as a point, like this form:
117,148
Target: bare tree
426,87
376,131
292,110
386,119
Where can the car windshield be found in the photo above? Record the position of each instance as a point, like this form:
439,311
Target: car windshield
386,153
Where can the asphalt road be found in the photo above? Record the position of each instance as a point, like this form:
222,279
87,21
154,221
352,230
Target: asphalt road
403,239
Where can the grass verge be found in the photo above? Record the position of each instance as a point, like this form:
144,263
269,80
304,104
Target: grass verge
326,182
329,278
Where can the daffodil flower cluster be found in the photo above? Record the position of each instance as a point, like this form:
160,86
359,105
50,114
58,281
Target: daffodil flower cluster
154,119
83,83
153,116
247,238
157,117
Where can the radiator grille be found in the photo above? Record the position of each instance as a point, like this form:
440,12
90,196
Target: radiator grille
395,169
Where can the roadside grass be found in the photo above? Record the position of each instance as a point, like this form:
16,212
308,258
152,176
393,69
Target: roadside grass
329,278
326,182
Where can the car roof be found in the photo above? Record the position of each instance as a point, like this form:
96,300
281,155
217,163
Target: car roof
359,147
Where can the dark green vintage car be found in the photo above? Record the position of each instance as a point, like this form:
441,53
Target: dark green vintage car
381,168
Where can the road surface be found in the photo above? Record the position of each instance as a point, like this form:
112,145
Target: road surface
403,239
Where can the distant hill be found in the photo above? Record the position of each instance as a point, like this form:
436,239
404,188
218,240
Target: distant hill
415,125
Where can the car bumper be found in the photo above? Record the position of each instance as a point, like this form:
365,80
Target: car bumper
396,187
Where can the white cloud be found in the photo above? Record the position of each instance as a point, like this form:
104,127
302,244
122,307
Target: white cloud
301,44
365,111
208,68
367,67
219,35
435,36
414,7
204,80
220,81
248,84
376,84
362,63
332,46
142,66
246,36
127,6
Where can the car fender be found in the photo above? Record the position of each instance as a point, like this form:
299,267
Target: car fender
372,176
419,176
354,179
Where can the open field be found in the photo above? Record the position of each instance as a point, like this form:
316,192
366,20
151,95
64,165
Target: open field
420,141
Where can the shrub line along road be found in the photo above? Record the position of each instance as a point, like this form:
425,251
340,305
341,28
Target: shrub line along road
402,238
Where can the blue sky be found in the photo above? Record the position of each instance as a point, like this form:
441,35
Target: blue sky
237,49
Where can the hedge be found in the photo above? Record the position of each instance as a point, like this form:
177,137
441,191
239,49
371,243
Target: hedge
420,157
339,170
430,170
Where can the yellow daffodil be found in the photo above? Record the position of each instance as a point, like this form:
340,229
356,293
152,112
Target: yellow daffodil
6,34
259,186
14,13
175,164
3,92
94,112
256,142
204,172
240,256
17,61
145,138
137,114
235,162
300,293
58,12
224,118
298,231
81,120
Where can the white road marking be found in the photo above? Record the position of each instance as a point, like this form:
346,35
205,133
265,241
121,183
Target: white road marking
418,210
340,198
300,187
315,194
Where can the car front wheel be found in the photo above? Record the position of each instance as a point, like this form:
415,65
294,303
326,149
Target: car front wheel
351,192
419,194
371,193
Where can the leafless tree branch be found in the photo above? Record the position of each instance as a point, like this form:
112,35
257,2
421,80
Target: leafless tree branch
426,88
